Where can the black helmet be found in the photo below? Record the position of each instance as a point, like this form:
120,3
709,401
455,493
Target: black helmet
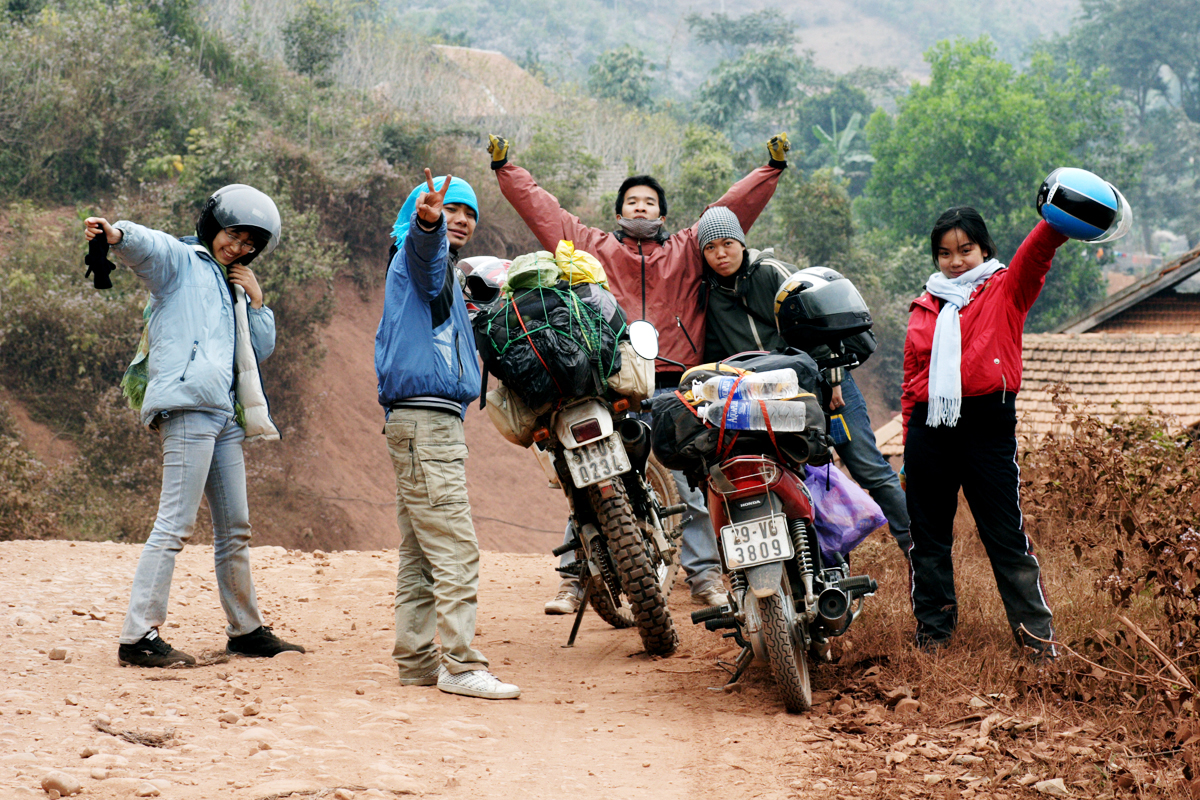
817,306
242,208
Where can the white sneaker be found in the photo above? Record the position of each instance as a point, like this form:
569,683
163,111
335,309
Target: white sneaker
428,679
477,683
567,600
712,596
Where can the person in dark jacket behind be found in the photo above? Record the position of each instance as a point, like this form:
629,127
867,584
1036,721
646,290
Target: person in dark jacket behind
742,285
428,372
962,371
655,276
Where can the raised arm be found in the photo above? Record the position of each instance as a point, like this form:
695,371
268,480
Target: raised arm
539,209
1031,263
426,247
155,257
748,197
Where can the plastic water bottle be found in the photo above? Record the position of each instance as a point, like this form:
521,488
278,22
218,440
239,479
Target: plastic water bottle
775,384
747,415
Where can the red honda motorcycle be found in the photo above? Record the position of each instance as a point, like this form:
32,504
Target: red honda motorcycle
786,601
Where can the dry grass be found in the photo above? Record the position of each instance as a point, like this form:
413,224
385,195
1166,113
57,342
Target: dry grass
1100,733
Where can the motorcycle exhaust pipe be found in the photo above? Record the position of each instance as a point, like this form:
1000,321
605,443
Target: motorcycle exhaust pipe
635,434
832,607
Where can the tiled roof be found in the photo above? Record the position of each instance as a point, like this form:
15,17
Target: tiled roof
1171,275
1132,370
1166,312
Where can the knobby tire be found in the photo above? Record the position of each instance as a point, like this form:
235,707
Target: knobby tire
635,570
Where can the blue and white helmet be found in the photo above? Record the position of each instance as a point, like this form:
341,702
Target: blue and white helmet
1081,205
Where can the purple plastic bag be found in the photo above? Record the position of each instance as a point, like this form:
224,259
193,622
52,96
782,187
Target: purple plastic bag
844,513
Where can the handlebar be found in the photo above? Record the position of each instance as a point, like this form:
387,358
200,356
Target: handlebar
848,360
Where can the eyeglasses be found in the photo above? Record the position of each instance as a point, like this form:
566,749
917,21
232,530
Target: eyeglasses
241,245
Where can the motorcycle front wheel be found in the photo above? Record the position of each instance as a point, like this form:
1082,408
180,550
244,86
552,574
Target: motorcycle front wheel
635,570
789,663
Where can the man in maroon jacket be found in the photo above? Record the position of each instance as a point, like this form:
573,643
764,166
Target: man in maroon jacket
654,276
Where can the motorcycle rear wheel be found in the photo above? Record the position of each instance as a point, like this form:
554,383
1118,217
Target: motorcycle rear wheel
635,570
789,663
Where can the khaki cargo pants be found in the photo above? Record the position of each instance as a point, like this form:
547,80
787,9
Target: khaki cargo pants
438,578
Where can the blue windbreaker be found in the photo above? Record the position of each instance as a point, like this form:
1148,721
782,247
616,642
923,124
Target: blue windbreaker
191,323
425,346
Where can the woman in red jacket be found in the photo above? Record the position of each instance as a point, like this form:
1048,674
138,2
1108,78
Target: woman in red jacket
962,371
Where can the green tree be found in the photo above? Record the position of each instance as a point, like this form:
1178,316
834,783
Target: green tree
764,28
837,146
622,75
985,135
705,172
313,39
560,164
815,221
1134,40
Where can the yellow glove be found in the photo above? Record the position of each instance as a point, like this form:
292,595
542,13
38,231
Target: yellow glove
777,150
498,147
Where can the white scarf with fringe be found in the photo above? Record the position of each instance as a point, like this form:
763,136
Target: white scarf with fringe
945,361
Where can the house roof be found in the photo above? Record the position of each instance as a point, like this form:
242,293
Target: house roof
1112,374
1167,277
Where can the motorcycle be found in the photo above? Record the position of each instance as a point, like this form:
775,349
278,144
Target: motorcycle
787,600
624,544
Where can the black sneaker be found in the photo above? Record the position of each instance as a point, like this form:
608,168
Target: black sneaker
260,643
152,652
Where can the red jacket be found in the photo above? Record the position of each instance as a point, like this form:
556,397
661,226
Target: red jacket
991,323
658,282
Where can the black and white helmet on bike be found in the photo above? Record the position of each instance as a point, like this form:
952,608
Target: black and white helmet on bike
482,278
819,306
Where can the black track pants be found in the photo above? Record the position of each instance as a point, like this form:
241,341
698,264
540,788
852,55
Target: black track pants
978,455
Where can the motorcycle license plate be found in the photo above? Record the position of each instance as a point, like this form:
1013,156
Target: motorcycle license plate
597,461
756,541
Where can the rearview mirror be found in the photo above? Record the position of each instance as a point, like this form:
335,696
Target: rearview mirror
644,338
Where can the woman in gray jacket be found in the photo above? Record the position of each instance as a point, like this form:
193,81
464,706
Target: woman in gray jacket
204,396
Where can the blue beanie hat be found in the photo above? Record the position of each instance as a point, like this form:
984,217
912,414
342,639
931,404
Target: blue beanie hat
459,192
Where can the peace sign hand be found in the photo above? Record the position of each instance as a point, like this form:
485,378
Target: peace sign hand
429,204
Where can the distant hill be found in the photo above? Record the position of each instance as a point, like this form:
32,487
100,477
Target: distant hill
566,36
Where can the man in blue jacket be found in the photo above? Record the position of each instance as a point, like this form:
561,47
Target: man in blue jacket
428,372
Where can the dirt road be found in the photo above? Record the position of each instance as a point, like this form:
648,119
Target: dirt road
599,720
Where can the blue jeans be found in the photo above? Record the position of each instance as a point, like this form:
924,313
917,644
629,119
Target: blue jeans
698,551
202,456
867,465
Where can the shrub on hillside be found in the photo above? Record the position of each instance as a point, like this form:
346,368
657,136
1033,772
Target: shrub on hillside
79,87
24,513
1125,496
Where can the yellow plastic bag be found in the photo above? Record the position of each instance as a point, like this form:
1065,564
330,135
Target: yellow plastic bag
579,266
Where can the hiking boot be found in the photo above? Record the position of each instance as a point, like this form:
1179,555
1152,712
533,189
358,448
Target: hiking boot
260,643
713,596
428,679
477,683
152,651
568,598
